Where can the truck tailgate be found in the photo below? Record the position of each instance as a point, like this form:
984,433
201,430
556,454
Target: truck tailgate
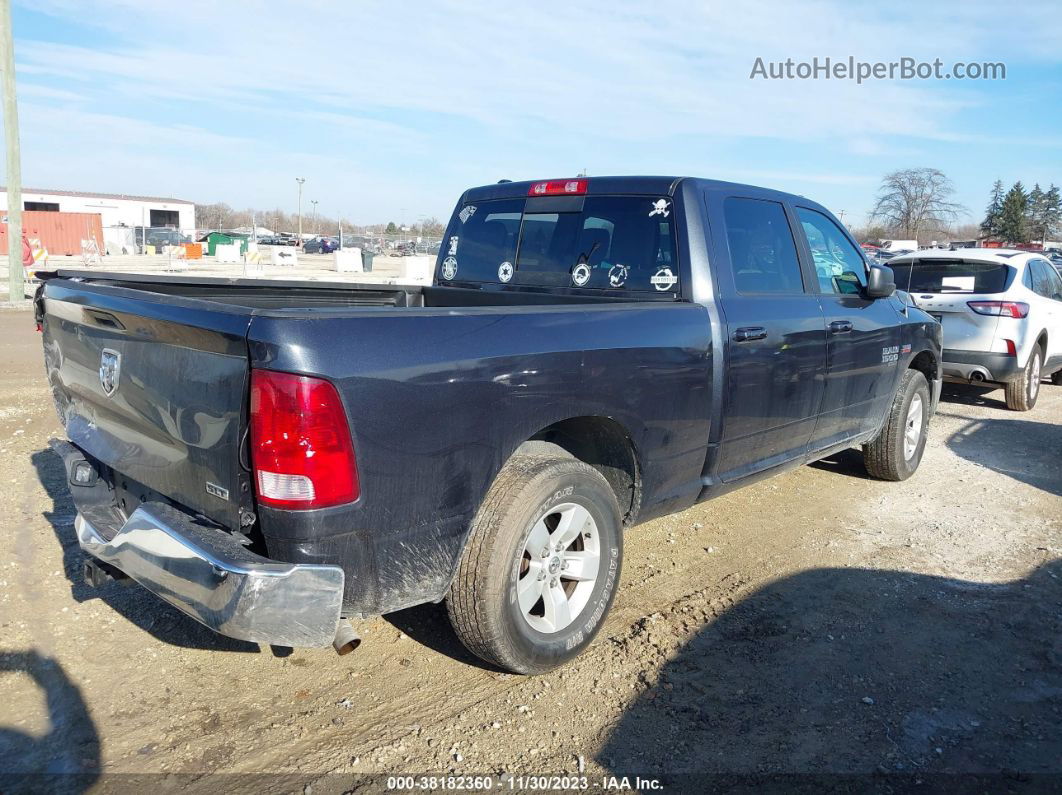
154,386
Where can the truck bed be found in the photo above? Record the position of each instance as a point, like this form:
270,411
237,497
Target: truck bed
274,294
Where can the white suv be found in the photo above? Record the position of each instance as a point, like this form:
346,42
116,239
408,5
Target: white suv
1001,311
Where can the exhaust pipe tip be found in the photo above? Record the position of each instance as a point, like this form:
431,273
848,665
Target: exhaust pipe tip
346,639
977,376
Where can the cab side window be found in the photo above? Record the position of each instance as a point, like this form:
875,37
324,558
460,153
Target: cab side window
839,266
762,251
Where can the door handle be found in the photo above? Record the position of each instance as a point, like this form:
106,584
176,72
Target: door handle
750,333
840,326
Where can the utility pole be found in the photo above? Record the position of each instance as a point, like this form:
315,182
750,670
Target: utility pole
300,180
16,285
314,223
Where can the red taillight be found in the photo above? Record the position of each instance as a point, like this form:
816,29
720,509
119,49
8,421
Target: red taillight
1015,309
300,442
559,187
1012,349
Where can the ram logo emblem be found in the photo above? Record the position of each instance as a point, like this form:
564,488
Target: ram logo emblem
110,370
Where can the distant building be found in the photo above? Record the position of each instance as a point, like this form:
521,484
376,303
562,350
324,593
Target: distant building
115,209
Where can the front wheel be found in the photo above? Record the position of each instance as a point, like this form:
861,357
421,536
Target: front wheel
1025,388
894,454
541,566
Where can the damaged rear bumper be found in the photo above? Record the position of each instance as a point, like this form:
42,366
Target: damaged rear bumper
207,572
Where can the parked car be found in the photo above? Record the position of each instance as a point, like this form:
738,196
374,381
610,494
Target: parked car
320,245
1001,310
159,237
587,358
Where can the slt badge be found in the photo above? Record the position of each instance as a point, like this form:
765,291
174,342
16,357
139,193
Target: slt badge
110,370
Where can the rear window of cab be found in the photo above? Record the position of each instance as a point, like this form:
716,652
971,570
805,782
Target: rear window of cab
614,243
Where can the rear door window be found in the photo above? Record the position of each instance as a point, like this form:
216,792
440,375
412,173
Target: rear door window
762,252
952,276
616,243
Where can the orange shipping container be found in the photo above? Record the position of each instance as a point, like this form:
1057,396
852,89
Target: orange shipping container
60,233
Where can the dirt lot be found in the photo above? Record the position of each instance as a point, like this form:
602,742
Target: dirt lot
819,622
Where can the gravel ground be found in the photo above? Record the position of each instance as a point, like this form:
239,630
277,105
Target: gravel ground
816,623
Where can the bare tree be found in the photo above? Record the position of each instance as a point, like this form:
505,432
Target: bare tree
916,201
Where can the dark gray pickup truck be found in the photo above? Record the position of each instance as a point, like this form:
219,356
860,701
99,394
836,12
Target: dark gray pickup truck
275,458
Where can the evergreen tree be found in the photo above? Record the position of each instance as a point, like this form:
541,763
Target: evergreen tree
1045,213
391,228
990,226
1032,211
1012,219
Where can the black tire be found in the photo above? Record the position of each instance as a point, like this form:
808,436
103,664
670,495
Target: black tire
885,456
1023,391
1056,378
483,604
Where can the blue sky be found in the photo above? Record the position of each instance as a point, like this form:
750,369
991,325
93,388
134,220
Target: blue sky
390,110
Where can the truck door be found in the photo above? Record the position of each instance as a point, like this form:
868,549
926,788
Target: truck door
862,335
776,338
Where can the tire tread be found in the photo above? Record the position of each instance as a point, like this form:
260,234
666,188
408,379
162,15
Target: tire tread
883,454
470,599
1017,389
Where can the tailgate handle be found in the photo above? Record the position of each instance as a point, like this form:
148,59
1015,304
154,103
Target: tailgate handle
750,333
840,326
105,319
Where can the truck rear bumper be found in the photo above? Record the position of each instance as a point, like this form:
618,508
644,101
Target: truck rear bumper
207,573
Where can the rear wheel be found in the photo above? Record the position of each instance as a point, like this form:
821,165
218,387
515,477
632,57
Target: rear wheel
894,454
541,566
1025,388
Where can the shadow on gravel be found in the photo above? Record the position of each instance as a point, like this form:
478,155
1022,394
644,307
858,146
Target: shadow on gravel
856,672
970,395
67,757
147,611
1026,450
429,625
847,462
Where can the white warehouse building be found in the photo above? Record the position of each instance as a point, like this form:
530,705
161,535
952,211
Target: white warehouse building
115,209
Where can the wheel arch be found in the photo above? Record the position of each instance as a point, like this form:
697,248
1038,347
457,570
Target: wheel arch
926,362
601,442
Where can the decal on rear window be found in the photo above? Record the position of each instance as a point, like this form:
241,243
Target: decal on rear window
664,279
661,207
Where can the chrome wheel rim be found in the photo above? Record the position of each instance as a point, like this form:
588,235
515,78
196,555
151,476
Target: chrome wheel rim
559,566
1034,377
912,431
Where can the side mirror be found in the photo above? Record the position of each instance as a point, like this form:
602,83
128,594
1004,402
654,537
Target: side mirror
881,283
